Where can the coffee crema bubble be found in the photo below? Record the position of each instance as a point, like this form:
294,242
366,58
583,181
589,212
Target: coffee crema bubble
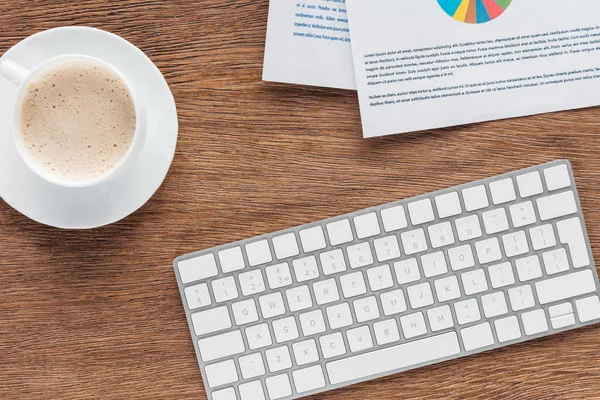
77,120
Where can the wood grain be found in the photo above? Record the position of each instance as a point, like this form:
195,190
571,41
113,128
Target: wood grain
97,314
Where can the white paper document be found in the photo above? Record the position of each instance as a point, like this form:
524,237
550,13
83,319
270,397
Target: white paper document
433,63
308,43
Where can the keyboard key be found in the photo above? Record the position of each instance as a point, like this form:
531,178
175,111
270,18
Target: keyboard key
197,296
332,345
299,298
555,261
251,391
210,321
515,244
507,329
542,237
501,275
386,332
571,233
271,305
503,191
221,373
421,212
434,264
224,289
312,323
407,271
339,232
359,339
440,318
220,346
312,239
366,225
522,214
414,242
258,253
386,248
306,269
566,286
258,336
447,289
474,282
557,205
420,295
285,329
475,198
339,316
461,257
529,268
477,337
468,228
244,312
353,285
441,235
198,268
231,260
530,184
467,311
394,219
557,177
561,315
393,302
521,298
279,275
252,282
494,305
225,394
252,366
278,386
326,292
495,221
366,309
333,262
305,352
278,359
360,255
285,246
488,251
413,325
308,379
380,278
588,309
393,358
448,205
534,322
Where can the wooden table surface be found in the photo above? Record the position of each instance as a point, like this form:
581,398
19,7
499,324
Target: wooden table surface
97,314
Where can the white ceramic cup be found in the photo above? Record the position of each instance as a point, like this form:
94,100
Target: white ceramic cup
22,77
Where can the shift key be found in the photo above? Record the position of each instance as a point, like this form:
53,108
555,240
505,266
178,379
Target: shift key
566,286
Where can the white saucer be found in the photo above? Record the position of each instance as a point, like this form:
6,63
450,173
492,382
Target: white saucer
114,200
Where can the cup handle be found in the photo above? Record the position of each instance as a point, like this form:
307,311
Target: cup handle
13,71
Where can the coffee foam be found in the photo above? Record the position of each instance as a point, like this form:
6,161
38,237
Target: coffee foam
78,121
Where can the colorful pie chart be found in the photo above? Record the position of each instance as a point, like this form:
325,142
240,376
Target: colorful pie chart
474,11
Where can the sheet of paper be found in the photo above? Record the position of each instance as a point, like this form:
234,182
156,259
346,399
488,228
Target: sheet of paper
308,43
437,63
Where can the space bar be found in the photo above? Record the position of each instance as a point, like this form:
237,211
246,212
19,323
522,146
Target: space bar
394,358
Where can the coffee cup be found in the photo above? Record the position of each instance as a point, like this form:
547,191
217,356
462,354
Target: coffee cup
122,155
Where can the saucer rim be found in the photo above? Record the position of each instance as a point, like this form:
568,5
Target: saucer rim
172,129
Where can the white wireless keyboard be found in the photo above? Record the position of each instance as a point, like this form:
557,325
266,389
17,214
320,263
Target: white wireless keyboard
391,288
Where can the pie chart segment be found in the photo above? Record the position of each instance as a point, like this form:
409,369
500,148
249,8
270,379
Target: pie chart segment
481,12
474,11
461,12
